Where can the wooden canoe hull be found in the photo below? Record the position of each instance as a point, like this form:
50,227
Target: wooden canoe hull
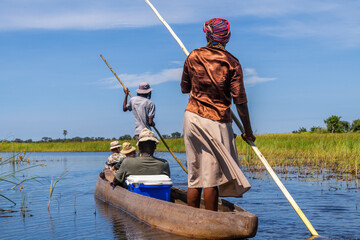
179,218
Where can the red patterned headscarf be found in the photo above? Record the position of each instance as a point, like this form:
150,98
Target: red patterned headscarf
217,30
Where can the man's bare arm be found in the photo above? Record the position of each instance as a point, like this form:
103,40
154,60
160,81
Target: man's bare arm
126,91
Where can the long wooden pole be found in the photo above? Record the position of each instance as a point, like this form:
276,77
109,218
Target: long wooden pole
251,143
162,139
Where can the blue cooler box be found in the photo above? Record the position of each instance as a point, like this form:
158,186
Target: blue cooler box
155,186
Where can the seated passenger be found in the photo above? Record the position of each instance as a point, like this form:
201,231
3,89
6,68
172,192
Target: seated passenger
116,155
128,151
145,163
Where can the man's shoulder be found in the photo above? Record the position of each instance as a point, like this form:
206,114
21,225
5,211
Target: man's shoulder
134,99
160,159
128,161
148,102
196,52
140,99
130,158
211,50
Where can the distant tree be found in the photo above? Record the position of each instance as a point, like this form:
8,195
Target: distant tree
125,137
300,130
18,140
28,141
46,139
176,135
314,129
345,126
76,139
355,126
65,132
334,125
165,136
87,139
318,129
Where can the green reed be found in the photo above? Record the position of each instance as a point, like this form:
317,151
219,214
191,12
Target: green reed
19,162
93,146
53,184
338,152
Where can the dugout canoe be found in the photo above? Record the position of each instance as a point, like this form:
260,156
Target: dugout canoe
231,221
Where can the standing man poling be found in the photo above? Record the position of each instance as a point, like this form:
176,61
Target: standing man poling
142,107
213,77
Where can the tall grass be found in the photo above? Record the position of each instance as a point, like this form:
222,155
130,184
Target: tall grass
93,146
339,152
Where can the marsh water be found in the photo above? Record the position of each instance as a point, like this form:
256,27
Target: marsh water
331,205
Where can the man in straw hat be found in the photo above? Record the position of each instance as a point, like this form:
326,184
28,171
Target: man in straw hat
145,163
128,151
213,77
116,155
142,107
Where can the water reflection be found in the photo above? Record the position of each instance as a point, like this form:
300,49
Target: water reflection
127,227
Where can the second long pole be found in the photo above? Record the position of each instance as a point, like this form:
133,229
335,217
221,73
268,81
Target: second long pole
162,139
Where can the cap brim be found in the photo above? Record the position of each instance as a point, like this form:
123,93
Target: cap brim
128,151
117,146
143,91
148,139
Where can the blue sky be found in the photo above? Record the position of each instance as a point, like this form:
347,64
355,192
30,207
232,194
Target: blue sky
300,59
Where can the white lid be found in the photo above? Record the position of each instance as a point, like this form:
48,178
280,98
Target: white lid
149,179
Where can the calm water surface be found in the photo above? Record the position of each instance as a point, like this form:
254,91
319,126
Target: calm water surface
332,206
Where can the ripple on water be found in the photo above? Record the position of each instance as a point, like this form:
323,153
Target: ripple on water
331,206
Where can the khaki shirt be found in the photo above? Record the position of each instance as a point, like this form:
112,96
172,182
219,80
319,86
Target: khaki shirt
141,166
213,77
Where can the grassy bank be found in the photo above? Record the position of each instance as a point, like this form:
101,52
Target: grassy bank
339,152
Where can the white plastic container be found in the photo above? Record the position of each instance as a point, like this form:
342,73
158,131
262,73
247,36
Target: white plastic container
156,186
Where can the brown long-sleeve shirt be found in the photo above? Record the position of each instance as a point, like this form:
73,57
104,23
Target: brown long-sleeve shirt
213,76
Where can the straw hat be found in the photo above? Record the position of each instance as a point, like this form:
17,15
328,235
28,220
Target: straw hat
127,148
144,88
147,135
115,144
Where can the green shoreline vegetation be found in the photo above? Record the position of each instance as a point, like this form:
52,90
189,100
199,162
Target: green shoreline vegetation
339,152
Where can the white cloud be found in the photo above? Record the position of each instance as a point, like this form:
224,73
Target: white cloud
282,18
75,14
251,77
169,75
133,80
178,63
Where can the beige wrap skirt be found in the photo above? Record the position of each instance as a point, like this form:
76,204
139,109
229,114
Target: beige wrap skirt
212,159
